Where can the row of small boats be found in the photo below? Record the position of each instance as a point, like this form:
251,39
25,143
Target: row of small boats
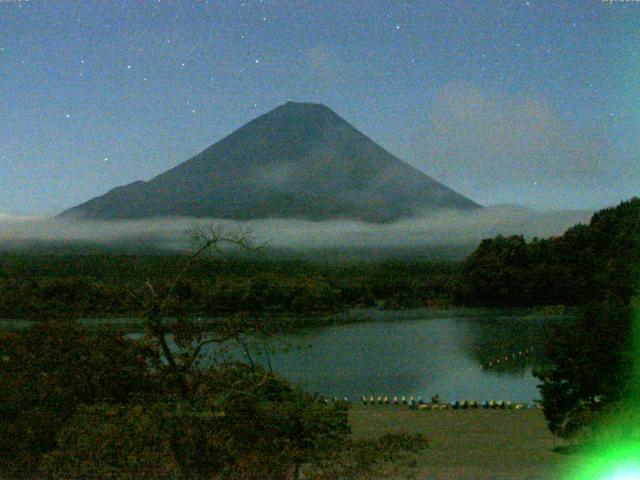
418,403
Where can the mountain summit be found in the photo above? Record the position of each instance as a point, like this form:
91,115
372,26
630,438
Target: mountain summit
300,160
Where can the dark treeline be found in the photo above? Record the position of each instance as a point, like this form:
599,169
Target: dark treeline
585,263
107,285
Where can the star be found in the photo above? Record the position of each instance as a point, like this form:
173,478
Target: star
257,60
397,27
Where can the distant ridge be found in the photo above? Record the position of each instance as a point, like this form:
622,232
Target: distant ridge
300,160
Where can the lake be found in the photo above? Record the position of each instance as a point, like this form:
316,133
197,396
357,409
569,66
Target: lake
469,357
458,353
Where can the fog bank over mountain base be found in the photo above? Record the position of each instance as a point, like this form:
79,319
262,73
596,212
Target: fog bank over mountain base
447,228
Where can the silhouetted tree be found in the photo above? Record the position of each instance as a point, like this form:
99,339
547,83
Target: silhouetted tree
589,363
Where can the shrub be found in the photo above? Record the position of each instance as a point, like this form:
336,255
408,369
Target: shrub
242,423
114,442
48,371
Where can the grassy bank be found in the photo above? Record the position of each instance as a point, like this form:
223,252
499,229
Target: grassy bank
467,444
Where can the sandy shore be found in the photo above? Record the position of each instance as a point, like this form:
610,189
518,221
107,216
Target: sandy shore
468,444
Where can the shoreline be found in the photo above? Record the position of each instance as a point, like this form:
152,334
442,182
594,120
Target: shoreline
293,322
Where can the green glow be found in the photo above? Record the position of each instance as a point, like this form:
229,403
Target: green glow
615,462
625,473
615,455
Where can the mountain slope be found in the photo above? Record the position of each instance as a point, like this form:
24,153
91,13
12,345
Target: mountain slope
300,160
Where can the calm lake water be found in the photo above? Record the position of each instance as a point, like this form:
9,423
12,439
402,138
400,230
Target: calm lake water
483,357
458,354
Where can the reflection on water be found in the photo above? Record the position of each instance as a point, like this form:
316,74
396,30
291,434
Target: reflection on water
507,344
449,356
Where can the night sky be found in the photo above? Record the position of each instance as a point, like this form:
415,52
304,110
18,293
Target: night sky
533,102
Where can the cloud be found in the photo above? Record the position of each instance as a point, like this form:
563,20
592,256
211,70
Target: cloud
7,218
445,228
505,143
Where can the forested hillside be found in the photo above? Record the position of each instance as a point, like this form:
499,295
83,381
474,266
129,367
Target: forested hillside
72,286
585,263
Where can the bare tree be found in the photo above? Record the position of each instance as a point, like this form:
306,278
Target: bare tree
191,336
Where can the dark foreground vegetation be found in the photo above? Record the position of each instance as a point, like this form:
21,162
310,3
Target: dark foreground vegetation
95,405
